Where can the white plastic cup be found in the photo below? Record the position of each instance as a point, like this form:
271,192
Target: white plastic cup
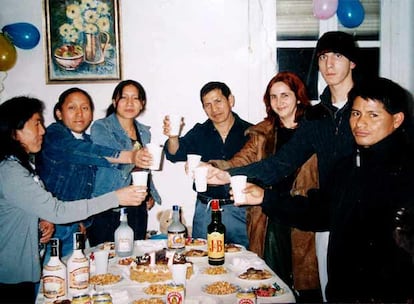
179,273
193,160
156,151
101,261
238,184
175,124
139,178
200,178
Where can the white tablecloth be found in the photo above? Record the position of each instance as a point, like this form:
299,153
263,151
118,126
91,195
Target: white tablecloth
126,291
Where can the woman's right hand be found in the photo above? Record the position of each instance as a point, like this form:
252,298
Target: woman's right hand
131,195
143,158
217,176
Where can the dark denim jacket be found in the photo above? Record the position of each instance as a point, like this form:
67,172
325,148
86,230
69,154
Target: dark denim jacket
67,165
108,131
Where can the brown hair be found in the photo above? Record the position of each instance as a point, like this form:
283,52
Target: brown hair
297,86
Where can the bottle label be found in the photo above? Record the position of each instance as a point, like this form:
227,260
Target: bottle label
175,294
175,297
79,278
176,240
54,286
215,242
124,245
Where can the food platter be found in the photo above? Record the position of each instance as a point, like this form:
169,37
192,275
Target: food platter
231,249
196,255
220,288
214,270
254,277
195,242
269,293
148,300
106,279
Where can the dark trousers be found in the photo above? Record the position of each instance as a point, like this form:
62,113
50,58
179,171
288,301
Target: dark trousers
17,293
104,224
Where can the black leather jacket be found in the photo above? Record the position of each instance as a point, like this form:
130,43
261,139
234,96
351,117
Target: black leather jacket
358,207
324,131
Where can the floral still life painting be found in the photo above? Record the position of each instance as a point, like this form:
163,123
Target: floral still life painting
83,42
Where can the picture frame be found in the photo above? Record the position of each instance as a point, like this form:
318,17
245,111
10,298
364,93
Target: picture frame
82,41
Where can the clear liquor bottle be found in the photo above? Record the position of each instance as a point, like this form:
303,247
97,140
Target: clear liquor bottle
78,267
176,231
54,274
124,236
216,232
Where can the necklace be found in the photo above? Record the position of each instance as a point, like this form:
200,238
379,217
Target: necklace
224,134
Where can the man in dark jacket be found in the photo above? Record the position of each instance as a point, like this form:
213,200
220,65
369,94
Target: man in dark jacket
359,204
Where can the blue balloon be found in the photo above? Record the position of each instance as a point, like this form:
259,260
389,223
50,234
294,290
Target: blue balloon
350,13
23,35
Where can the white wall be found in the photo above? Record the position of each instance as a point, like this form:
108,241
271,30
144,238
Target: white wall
397,39
173,47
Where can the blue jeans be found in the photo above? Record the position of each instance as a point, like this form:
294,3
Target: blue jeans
234,218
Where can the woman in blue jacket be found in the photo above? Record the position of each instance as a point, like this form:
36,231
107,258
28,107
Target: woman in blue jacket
121,130
69,160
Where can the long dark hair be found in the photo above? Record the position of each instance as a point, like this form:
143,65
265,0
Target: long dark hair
117,94
14,113
297,86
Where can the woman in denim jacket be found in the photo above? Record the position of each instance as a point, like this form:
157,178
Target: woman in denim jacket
68,161
121,130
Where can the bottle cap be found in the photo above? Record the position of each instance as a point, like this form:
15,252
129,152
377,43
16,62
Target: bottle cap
175,208
79,240
215,205
54,242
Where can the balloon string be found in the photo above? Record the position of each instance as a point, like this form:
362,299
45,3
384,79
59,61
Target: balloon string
2,78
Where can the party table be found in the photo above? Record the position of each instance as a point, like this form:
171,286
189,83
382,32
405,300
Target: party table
126,291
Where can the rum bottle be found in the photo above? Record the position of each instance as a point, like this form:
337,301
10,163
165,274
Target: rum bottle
215,236
54,274
78,267
176,231
124,236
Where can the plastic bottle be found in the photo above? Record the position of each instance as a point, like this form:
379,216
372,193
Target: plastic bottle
78,267
176,231
54,274
124,236
215,236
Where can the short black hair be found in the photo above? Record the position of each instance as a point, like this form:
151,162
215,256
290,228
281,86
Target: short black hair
214,85
395,98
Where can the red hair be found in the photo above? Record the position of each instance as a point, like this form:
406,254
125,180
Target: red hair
297,86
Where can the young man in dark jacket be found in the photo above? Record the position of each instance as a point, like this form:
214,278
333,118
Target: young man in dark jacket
360,200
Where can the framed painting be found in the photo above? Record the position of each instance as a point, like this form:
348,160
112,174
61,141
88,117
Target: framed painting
82,40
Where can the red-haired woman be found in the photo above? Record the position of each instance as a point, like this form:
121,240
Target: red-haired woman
286,101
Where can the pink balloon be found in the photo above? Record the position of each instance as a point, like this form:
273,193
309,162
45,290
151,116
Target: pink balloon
324,9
